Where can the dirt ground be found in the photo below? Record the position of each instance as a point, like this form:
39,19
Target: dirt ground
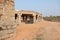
50,31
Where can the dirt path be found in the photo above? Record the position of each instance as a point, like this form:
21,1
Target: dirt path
51,31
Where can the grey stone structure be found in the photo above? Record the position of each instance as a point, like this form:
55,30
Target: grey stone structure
25,16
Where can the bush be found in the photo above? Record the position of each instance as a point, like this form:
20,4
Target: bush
52,18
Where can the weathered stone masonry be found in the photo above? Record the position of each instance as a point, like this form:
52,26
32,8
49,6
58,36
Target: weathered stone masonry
25,16
9,18
7,22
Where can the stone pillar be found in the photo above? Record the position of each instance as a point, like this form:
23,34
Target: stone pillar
38,18
42,18
19,20
34,18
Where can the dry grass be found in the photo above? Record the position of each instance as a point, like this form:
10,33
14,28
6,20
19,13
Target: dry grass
49,30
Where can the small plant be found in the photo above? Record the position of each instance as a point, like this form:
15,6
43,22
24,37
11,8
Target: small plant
39,37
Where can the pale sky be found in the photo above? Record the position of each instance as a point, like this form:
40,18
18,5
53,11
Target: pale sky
46,7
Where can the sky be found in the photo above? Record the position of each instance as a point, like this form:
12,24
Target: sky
46,7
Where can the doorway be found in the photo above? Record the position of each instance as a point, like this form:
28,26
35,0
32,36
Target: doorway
16,16
27,18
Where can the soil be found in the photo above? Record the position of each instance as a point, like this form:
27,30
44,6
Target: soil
49,30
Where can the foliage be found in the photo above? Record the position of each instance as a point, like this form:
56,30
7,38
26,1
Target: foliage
52,18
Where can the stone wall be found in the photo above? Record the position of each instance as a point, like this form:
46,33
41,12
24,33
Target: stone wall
7,21
7,29
9,9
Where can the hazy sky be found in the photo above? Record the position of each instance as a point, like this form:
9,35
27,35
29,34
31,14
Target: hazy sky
46,7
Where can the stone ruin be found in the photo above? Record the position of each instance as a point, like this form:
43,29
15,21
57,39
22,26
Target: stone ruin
7,22
9,18
7,29
28,17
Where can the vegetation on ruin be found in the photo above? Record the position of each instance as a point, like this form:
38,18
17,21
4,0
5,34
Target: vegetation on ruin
52,18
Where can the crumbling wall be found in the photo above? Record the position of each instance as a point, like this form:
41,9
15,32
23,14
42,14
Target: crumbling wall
7,29
7,22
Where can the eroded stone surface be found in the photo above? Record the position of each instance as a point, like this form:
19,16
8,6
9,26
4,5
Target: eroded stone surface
7,30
